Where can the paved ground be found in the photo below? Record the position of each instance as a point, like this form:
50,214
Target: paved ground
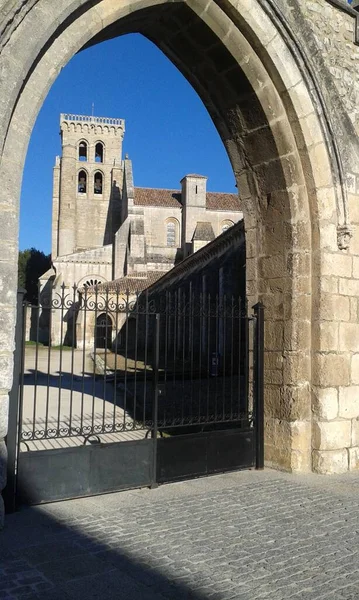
247,535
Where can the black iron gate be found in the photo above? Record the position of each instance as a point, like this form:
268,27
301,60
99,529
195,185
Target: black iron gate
171,389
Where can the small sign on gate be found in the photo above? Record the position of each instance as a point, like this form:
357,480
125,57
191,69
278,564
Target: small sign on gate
214,364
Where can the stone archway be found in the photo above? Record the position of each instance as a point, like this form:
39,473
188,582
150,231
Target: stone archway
103,331
263,102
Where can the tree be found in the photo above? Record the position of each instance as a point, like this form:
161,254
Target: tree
24,256
32,264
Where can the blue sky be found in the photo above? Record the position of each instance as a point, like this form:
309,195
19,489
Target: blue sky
168,131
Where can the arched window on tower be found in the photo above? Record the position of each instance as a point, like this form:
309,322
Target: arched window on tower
82,182
172,228
97,183
99,152
82,151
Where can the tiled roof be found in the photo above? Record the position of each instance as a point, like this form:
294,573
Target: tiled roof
172,198
204,232
157,197
131,283
222,201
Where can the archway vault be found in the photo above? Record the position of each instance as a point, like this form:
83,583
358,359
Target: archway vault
261,101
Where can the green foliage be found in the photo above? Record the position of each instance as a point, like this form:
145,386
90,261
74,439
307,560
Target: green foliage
32,264
24,256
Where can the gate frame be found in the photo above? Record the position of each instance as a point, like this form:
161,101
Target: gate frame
12,438
258,383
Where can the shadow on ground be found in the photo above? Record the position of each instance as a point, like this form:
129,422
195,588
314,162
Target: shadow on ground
43,556
204,401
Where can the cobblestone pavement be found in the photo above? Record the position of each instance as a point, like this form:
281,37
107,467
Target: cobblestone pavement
247,535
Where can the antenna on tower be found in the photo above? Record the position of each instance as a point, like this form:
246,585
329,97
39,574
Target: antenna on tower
93,108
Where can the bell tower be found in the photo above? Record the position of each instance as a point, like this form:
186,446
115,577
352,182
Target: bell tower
87,183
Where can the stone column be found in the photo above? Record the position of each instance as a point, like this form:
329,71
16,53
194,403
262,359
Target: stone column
336,361
8,286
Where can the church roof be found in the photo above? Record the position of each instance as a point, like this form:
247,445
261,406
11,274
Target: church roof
136,282
222,201
157,197
204,232
172,198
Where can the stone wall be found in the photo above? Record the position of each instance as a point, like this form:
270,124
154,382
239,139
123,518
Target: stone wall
336,371
328,42
155,218
334,33
326,36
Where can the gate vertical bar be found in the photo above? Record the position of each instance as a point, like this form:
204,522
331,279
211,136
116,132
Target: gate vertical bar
14,399
245,407
259,382
155,399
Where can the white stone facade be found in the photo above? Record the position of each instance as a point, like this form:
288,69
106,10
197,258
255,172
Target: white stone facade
103,227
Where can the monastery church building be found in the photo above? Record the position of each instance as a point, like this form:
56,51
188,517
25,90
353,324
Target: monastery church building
104,229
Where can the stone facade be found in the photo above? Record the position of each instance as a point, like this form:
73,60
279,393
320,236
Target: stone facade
279,78
104,228
216,269
334,32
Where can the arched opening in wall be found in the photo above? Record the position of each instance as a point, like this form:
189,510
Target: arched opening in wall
82,182
225,225
88,290
82,155
198,146
89,283
99,152
172,233
97,183
254,105
103,332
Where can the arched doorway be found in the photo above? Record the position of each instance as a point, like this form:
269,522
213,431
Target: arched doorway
103,333
260,98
